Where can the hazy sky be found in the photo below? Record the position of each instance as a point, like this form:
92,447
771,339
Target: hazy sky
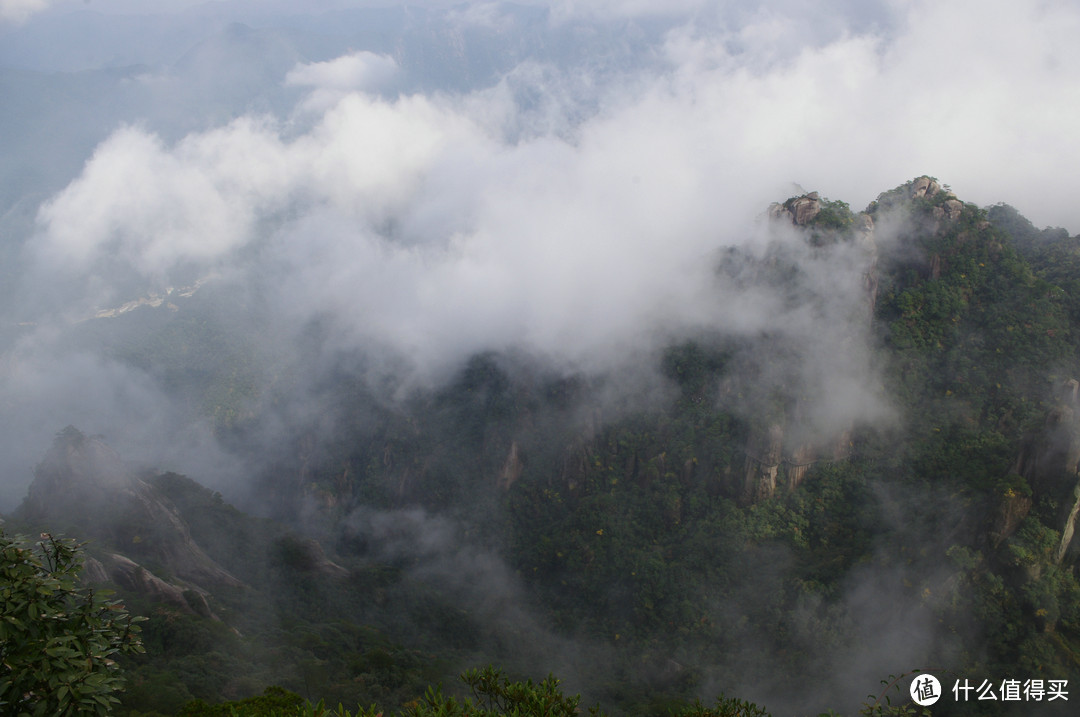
846,97
441,178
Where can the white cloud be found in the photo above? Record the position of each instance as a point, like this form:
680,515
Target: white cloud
563,10
419,226
357,71
159,206
980,95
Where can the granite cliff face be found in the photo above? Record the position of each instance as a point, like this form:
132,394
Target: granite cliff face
799,211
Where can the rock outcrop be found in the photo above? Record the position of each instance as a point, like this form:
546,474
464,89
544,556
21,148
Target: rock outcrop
83,488
764,455
775,460
129,575
924,187
800,211
512,467
940,204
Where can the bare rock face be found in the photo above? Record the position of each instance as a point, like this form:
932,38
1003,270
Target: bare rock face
798,462
805,208
1068,527
800,211
865,226
512,467
775,460
924,187
779,213
131,576
953,209
864,239
764,454
919,188
94,572
949,211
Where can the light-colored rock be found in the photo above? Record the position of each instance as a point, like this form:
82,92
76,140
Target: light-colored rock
953,209
864,224
804,209
1069,527
924,187
512,467
799,211
129,575
763,456
798,462
94,572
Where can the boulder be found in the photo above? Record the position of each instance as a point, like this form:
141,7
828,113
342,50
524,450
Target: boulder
924,187
953,209
805,208
799,211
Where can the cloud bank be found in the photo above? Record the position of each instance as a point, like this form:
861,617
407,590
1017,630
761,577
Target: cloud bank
567,212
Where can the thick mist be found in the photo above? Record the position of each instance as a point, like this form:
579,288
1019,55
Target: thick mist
565,200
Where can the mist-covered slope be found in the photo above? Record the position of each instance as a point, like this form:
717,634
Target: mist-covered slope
880,478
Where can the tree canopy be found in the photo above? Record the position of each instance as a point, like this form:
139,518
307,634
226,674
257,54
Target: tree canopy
58,638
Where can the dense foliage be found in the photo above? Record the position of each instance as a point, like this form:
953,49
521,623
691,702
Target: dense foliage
59,640
491,695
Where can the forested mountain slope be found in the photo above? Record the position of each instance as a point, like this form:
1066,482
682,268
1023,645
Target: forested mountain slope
883,479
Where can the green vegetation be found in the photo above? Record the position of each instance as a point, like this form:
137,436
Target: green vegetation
59,640
834,214
491,695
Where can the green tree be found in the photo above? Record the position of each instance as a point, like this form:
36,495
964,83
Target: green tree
493,695
58,639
